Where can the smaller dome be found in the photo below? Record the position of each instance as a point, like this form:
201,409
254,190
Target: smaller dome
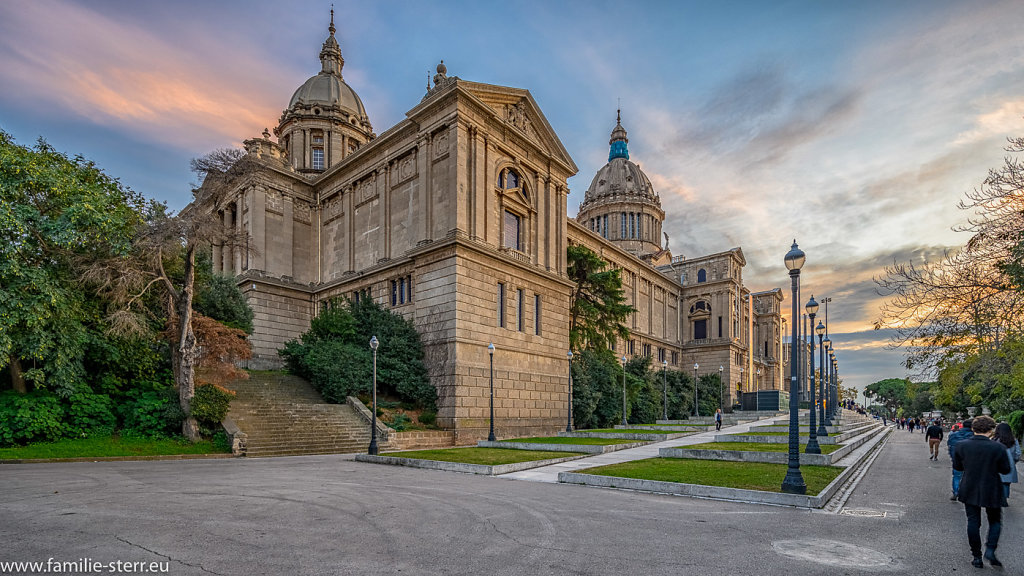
328,90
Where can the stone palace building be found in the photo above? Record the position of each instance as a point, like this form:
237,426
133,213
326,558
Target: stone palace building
456,217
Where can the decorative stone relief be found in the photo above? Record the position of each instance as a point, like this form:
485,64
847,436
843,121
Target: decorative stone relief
333,208
274,203
366,189
516,115
441,145
301,212
407,167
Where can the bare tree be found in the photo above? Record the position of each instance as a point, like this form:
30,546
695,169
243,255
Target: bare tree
171,236
965,303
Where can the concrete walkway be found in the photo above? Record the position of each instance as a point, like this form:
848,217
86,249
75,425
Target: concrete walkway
550,473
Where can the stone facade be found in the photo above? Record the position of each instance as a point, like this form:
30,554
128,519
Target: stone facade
456,218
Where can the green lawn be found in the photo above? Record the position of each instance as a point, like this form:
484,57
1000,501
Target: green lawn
485,456
106,447
568,440
745,475
767,434
759,447
633,431
695,424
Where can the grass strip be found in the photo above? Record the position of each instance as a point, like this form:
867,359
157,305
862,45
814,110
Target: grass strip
758,447
633,431
767,434
744,475
571,440
484,456
108,446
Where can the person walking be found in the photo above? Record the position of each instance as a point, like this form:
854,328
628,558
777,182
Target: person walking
934,438
1004,435
718,420
963,433
982,461
910,425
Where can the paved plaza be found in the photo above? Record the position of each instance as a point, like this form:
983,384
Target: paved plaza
331,515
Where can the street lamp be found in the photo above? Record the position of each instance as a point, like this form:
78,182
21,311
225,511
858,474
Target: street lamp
831,384
490,352
696,412
827,350
720,388
793,483
821,380
741,388
812,436
624,423
568,417
757,394
664,383
373,415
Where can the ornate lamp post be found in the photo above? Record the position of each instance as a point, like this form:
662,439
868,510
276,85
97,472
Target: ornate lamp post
831,386
490,352
696,412
835,386
373,415
757,394
821,380
827,372
664,384
741,387
793,483
568,418
812,439
624,423
721,392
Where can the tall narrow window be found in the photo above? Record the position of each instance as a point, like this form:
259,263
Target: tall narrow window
536,314
632,225
501,304
622,233
394,293
401,290
640,226
719,326
512,230
604,228
408,289
520,309
702,276
317,149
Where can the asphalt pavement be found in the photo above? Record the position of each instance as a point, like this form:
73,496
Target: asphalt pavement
331,515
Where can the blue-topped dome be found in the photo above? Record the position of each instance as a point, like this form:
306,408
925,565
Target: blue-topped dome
618,140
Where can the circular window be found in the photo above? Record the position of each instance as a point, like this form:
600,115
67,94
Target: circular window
316,111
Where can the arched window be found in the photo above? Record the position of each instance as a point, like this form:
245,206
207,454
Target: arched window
515,202
316,154
509,179
702,275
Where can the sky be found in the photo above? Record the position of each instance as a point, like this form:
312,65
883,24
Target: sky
852,127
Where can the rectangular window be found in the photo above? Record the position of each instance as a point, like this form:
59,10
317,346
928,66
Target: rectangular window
394,293
355,296
511,230
536,314
318,158
675,358
632,225
408,287
604,229
661,354
612,345
521,309
719,326
501,304
632,346
401,290
622,233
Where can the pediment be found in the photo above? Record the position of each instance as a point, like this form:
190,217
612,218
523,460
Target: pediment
517,109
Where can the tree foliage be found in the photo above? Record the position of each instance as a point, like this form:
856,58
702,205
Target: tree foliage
597,307
334,354
57,215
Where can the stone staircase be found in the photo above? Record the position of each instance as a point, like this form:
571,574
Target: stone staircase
283,415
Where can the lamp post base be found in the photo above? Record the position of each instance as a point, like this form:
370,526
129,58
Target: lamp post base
794,483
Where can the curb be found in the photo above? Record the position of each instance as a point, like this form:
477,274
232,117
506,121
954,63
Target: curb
638,436
119,458
462,467
589,449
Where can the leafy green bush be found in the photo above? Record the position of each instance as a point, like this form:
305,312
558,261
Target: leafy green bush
335,355
221,300
209,406
89,414
1016,422
428,418
33,417
152,413
221,441
399,422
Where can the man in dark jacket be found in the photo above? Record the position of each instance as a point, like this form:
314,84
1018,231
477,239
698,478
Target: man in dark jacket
934,437
982,460
955,438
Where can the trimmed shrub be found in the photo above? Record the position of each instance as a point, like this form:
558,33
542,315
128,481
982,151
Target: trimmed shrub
34,417
209,406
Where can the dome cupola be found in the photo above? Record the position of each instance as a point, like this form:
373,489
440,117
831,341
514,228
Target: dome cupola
325,120
621,203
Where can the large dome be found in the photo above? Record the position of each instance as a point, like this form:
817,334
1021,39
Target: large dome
620,179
